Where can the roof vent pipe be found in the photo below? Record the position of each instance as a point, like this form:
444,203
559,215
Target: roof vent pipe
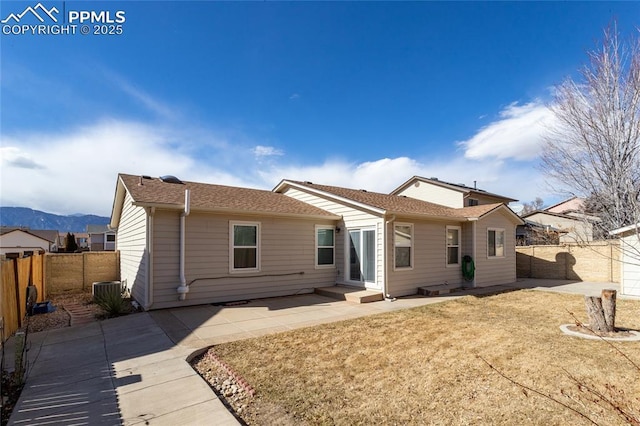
183,289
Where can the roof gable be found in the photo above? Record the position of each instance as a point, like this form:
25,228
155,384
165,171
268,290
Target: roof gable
43,234
461,188
29,232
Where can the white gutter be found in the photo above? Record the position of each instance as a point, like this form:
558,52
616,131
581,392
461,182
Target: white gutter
183,289
385,285
474,222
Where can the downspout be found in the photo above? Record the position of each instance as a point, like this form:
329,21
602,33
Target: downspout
473,250
184,288
385,285
149,293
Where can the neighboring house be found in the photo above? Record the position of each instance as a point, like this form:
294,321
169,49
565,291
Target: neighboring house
101,238
572,227
82,240
194,243
571,205
630,267
447,194
21,240
532,233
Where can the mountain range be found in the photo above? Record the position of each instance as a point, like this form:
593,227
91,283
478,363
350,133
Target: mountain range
35,219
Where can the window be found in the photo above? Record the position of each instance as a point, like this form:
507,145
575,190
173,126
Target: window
111,238
453,245
245,244
325,245
403,241
472,202
495,242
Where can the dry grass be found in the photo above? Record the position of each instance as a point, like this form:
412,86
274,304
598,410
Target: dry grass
421,366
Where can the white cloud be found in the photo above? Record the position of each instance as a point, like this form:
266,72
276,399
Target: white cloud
266,151
517,134
75,170
521,181
13,157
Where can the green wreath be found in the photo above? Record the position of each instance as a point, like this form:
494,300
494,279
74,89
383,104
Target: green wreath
468,268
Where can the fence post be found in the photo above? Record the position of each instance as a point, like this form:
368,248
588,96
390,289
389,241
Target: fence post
84,271
17,288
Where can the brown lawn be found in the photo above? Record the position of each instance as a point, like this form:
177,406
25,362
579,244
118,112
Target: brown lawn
423,366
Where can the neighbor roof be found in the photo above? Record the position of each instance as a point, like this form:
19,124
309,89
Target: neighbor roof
396,204
147,191
453,186
44,234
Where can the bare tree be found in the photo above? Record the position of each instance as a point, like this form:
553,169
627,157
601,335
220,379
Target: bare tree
593,147
532,206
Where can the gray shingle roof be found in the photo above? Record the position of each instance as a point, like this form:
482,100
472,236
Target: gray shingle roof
395,204
210,197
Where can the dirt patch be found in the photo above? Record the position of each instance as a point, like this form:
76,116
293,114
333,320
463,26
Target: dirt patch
424,366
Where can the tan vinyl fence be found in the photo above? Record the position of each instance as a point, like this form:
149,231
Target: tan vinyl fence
596,261
78,271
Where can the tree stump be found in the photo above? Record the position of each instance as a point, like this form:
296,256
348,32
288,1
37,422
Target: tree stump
602,311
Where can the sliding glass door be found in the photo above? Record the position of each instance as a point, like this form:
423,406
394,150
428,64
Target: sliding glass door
362,255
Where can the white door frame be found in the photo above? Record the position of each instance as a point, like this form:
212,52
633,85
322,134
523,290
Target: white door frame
347,250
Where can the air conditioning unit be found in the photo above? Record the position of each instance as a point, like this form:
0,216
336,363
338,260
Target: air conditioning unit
106,288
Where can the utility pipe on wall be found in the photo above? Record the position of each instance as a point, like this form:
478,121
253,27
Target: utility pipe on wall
474,248
149,264
183,289
385,284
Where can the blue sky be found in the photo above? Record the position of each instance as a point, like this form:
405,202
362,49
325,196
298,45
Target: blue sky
356,94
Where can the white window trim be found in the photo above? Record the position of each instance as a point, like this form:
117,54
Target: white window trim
504,240
459,245
333,263
412,247
258,226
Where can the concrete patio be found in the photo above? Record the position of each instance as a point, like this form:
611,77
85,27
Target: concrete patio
134,370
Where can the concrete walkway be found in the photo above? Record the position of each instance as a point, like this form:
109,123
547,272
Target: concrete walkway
134,370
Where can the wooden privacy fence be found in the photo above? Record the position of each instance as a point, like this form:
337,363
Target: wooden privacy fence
16,275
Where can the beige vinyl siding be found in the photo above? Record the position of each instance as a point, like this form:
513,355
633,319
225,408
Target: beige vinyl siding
578,230
483,199
466,240
434,194
351,218
630,277
287,259
430,261
495,270
131,241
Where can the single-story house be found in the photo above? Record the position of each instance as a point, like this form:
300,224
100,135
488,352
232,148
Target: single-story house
187,243
630,257
532,233
21,240
573,227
